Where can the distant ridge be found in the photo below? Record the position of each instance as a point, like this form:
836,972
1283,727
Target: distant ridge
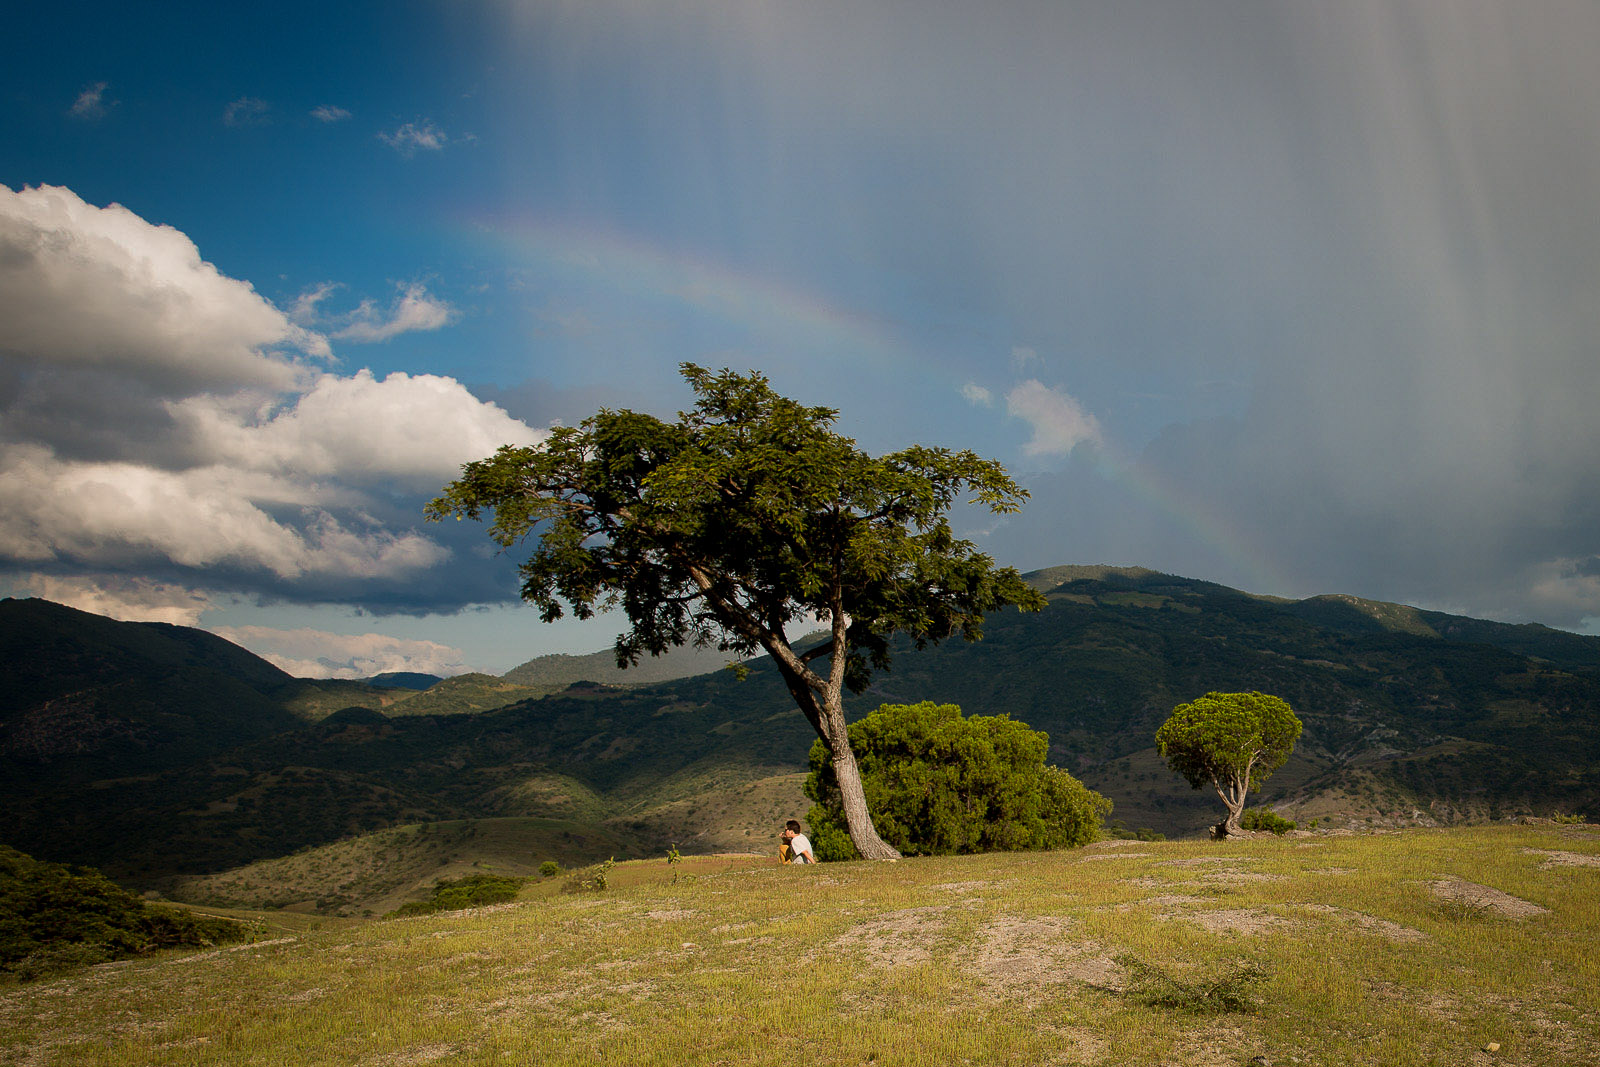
403,680
153,751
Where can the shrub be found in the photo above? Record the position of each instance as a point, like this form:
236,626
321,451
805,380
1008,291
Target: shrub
549,869
473,891
1265,819
590,879
55,918
939,783
1228,991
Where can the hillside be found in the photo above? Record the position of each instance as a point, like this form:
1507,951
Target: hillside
1411,717
553,673
1463,946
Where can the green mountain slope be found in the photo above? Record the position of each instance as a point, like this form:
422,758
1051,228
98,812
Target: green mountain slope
1411,717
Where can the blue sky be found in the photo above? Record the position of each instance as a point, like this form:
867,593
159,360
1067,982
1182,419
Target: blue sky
1299,299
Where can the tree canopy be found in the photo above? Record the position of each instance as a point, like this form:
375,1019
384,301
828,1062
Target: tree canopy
746,518
1232,740
940,783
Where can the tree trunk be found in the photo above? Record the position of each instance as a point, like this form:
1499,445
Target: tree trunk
856,816
1233,795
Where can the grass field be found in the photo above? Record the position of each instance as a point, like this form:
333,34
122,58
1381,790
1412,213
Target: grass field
1410,948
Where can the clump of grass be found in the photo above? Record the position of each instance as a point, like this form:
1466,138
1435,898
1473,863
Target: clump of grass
1463,908
1228,991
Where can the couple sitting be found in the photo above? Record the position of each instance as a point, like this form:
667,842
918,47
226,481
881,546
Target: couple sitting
796,847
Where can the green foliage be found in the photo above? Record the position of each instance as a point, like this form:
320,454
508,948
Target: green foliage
746,515
473,891
1116,831
1231,990
1575,819
1265,819
939,783
593,879
549,869
1229,738
54,917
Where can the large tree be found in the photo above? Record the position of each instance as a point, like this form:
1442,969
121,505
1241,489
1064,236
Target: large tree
1232,740
744,520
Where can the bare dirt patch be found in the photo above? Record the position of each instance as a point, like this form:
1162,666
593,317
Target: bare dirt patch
1117,855
1556,858
896,938
1201,861
1473,895
668,915
1013,954
1165,900
1234,920
1389,931
414,1057
961,887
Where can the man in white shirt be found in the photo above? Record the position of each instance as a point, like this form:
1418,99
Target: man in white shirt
799,844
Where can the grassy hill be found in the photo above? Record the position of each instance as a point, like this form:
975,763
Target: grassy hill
1405,949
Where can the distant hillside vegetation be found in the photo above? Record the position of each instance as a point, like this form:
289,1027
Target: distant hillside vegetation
1410,717
552,673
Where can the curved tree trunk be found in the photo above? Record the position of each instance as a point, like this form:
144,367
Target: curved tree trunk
856,816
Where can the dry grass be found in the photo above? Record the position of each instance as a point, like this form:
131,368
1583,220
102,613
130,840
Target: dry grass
1006,959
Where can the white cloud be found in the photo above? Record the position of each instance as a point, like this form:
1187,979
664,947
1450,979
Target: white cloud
308,653
122,514
1059,422
417,428
329,113
153,428
91,103
130,599
413,136
415,310
304,311
977,394
102,287
246,111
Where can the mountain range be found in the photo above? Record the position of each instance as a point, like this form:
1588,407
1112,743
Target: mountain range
163,753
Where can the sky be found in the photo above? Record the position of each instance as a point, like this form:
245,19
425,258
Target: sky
1299,298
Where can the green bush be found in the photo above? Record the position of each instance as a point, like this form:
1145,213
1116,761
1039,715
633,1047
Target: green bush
1265,819
939,783
473,891
549,869
590,879
55,918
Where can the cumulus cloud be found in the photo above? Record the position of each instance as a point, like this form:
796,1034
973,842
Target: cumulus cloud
329,113
308,653
129,599
977,394
1058,421
246,111
415,136
412,428
414,310
161,422
101,514
91,103
102,287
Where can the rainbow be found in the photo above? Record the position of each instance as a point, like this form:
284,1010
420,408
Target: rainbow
748,309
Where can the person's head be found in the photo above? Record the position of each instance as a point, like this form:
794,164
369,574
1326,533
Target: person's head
791,828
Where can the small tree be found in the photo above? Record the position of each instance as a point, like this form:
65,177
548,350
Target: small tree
746,517
1232,740
938,783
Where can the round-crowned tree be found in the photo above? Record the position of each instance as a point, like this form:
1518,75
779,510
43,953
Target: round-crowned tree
937,783
1232,740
